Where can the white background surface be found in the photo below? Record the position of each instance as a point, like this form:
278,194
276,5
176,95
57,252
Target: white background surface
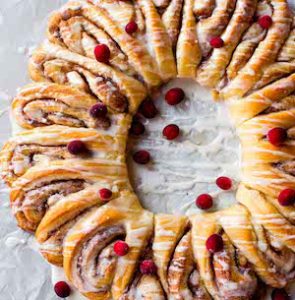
24,275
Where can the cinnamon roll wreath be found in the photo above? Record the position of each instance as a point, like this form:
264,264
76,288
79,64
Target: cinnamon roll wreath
67,168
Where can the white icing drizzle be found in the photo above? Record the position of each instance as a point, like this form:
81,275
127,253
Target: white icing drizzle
182,169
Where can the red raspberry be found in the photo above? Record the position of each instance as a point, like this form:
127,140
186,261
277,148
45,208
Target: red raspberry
277,136
148,267
121,248
174,96
214,243
131,27
148,109
287,197
217,42
98,110
77,147
62,289
265,21
105,194
224,183
142,157
102,53
137,128
279,294
204,201
171,132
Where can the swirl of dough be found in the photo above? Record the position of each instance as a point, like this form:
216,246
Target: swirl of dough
184,281
215,24
284,65
70,28
251,39
168,230
212,70
226,273
262,235
158,38
43,104
43,145
43,186
89,259
266,167
151,32
172,20
62,216
265,54
270,98
121,93
127,52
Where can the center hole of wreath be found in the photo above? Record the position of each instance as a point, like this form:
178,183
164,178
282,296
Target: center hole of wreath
188,166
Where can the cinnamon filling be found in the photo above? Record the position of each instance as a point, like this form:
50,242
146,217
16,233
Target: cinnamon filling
27,155
97,260
44,112
182,273
281,259
37,200
286,167
81,35
233,275
285,104
63,72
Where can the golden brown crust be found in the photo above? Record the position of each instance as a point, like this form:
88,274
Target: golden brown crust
249,42
215,24
168,230
41,145
140,60
237,224
52,63
159,40
265,54
172,20
90,235
263,163
183,278
266,215
213,69
188,52
275,72
42,186
199,236
287,53
43,104
243,109
204,8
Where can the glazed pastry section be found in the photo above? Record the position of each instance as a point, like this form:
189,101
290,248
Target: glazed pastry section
68,174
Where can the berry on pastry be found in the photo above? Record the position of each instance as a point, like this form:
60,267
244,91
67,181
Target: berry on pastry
102,53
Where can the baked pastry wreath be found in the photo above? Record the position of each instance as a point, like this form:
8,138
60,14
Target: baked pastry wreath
67,170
